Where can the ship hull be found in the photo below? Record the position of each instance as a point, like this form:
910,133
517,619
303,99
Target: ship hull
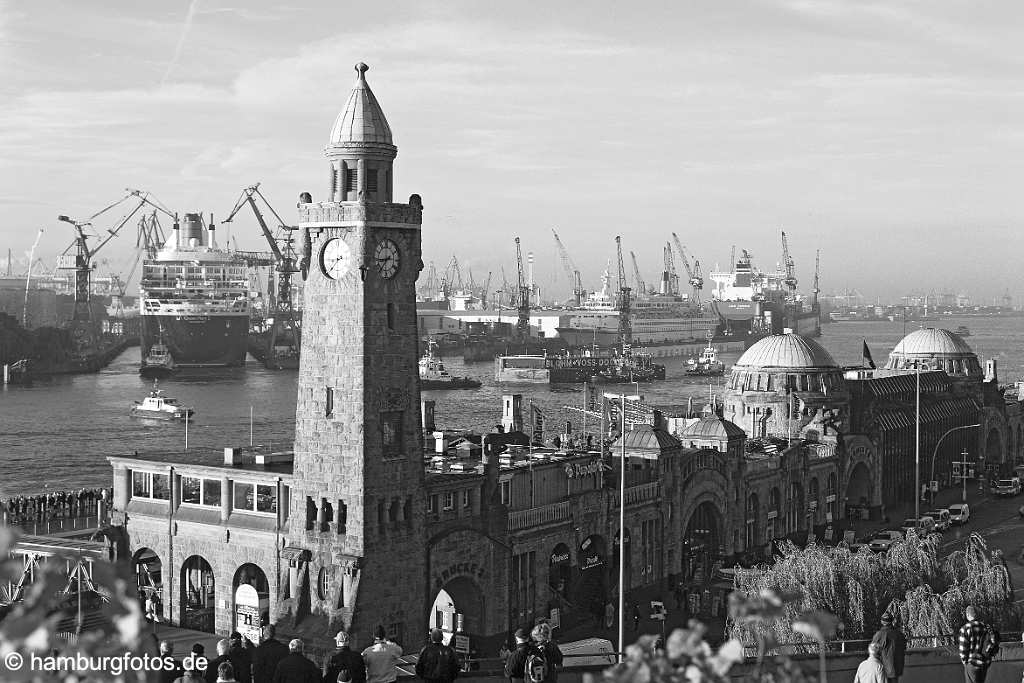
215,341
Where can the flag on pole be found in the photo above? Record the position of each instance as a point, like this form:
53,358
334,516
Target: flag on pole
868,361
537,419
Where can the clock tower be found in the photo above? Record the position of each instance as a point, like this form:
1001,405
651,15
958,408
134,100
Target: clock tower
355,548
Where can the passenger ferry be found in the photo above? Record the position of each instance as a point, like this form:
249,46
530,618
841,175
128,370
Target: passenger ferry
156,406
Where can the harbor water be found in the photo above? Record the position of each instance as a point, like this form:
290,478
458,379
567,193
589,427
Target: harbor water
57,433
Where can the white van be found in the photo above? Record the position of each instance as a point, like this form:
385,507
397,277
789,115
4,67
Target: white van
959,513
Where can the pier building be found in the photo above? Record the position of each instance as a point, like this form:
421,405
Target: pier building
361,526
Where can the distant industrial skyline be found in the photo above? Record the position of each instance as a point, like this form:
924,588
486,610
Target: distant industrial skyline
886,134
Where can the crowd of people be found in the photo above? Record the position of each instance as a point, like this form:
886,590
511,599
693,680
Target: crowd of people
53,505
536,659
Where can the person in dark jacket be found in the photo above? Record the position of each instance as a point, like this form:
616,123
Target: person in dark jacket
214,664
892,648
241,658
267,655
169,673
515,665
295,667
437,662
552,653
344,659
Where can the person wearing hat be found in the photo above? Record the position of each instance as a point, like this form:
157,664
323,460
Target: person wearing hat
344,664
381,658
437,662
515,665
892,648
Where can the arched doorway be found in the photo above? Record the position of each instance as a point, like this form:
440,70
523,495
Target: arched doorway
149,579
702,543
197,595
858,492
795,514
458,608
994,447
251,592
591,586
753,510
560,571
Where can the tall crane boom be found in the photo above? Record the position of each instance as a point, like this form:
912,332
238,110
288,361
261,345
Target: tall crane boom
570,270
696,277
624,303
788,264
638,279
671,286
523,296
814,292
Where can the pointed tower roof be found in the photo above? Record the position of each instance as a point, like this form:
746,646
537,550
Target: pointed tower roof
362,121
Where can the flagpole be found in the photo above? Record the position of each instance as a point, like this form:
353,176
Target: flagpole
533,432
586,406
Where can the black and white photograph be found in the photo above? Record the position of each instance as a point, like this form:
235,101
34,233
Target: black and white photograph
511,342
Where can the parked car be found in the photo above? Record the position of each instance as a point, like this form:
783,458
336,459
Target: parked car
922,527
1006,487
959,513
941,517
884,539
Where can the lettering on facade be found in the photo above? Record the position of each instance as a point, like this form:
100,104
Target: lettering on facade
473,570
559,558
581,469
591,561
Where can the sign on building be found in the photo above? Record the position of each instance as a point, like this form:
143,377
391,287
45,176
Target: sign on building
658,610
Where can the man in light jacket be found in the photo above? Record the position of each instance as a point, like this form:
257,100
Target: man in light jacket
381,658
871,669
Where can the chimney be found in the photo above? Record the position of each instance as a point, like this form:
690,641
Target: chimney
212,240
177,232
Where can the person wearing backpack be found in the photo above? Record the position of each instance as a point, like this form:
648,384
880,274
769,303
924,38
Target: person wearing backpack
979,644
344,662
545,659
437,662
515,665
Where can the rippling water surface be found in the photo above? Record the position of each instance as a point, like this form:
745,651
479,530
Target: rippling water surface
57,433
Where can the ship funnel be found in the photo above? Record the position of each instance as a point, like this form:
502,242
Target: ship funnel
193,229
212,241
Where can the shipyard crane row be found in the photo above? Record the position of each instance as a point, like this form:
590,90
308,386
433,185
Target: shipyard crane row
693,272
82,326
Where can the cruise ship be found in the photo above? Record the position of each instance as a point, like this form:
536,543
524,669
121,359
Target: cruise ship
195,299
658,320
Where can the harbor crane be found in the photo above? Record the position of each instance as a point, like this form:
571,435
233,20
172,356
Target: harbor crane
485,291
693,272
787,262
82,325
671,280
522,296
816,289
286,324
623,303
638,279
571,270
453,275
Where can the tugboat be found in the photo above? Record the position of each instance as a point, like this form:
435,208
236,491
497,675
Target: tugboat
434,376
707,365
158,363
156,406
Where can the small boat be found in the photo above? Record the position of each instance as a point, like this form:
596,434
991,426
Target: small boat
962,331
18,372
707,364
434,376
158,363
156,406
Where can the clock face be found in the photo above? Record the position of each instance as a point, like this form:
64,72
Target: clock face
334,258
386,258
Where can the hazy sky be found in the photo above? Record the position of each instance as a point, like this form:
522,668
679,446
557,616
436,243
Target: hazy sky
887,134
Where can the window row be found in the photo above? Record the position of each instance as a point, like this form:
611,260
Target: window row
207,492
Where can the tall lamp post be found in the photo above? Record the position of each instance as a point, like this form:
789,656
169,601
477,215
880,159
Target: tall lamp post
622,517
936,452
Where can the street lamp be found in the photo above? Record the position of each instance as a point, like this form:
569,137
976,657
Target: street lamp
936,451
622,517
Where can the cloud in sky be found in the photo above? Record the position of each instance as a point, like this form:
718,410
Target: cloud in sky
853,125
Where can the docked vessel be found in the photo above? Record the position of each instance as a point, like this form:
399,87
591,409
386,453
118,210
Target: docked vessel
195,299
570,368
433,374
156,406
706,365
658,320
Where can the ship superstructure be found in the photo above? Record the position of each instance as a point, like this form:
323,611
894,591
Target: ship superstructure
195,298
